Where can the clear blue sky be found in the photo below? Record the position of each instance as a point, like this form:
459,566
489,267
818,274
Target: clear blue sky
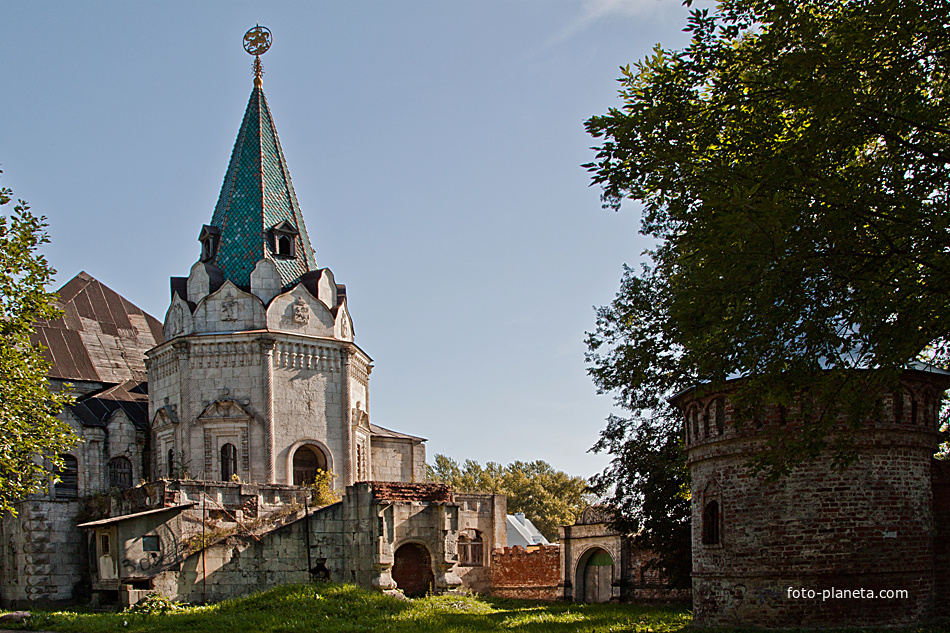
435,147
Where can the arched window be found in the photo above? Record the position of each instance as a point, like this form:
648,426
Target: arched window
68,485
720,410
228,462
471,550
711,523
120,473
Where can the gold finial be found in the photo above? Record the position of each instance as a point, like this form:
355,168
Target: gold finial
256,43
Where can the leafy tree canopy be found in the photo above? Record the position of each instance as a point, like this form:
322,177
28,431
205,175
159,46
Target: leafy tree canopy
793,164
547,496
31,437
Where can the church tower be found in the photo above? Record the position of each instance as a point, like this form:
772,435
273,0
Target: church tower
259,378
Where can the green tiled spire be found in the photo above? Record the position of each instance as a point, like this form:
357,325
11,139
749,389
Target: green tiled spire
257,195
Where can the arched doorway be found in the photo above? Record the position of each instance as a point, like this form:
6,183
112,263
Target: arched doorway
412,569
308,460
595,576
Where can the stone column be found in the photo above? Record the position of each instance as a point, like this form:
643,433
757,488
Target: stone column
267,365
185,415
347,474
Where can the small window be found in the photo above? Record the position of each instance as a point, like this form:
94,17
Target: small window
170,462
151,543
104,549
285,246
228,462
720,411
68,485
120,473
471,550
711,523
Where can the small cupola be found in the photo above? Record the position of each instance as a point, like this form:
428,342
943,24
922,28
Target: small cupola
284,240
209,238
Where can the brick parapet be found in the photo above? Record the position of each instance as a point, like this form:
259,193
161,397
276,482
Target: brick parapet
875,525
401,491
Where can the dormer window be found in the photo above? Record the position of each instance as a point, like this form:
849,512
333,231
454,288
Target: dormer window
284,239
209,238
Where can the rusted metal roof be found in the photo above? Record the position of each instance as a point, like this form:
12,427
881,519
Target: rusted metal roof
102,337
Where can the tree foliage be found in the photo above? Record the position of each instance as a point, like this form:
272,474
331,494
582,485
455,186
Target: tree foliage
794,169
548,497
31,437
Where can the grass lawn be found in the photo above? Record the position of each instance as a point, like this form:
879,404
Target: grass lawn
331,608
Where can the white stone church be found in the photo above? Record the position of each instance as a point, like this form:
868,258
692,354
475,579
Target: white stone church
199,435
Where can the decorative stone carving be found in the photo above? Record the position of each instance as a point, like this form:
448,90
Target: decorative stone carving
230,308
301,311
176,321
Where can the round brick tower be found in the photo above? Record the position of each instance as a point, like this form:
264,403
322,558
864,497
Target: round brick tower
810,548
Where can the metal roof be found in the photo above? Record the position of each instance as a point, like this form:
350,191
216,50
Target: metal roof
102,337
136,515
378,431
131,397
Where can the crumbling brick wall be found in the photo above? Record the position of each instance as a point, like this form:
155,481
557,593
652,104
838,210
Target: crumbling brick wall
517,573
399,491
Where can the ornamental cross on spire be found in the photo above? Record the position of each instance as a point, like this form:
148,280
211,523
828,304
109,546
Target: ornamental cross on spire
256,42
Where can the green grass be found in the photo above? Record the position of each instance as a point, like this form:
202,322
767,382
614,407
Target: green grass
331,608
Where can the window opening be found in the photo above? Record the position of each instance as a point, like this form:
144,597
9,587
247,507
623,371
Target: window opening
711,523
120,473
228,461
68,485
471,550
151,543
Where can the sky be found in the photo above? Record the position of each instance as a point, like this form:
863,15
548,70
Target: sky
435,148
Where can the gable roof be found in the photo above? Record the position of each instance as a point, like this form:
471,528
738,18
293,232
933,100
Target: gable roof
130,396
257,194
102,337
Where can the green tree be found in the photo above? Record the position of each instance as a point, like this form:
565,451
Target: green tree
793,164
31,437
548,497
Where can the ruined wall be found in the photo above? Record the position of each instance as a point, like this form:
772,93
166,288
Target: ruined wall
481,516
43,557
535,575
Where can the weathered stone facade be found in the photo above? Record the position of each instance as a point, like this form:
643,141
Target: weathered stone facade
870,527
205,541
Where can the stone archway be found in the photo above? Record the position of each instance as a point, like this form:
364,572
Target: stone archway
308,459
412,569
595,576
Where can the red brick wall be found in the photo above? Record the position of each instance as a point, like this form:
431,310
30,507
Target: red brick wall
870,526
517,573
396,491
